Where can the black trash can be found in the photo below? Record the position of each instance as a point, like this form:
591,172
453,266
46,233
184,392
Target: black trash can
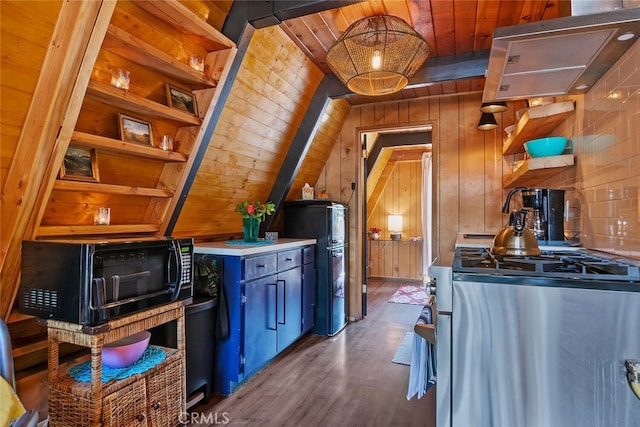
200,326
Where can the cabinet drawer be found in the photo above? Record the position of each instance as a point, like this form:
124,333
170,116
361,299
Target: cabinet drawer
308,254
289,259
259,266
127,406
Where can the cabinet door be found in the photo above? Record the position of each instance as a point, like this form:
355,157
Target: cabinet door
260,324
308,296
289,308
163,390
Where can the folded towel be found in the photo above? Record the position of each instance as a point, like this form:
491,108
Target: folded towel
422,371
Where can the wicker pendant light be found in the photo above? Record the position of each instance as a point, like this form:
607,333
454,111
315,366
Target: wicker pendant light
377,55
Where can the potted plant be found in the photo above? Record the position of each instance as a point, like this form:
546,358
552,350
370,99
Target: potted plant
374,233
253,213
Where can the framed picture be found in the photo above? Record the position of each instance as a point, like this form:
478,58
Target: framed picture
134,130
181,99
80,164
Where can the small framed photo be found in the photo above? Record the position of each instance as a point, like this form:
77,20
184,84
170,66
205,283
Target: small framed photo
80,164
181,99
134,130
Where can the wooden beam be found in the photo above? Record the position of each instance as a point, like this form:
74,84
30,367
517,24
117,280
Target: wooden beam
451,68
372,200
395,140
408,155
299,146
261,14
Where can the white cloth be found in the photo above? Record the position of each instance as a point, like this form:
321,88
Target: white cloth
422,371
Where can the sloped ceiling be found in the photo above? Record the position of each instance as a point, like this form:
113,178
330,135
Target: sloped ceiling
267,103
459,33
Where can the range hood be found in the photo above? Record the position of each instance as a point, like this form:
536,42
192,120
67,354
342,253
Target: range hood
557,57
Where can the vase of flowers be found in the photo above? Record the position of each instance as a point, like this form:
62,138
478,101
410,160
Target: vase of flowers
374,233
253,213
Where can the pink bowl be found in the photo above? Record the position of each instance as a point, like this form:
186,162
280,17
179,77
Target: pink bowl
126,351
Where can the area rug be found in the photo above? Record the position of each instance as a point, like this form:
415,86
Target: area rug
403,354
416,295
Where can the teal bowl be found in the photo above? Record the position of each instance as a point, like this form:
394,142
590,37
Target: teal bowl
544,147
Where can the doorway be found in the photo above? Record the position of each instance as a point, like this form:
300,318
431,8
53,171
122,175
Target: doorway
396,176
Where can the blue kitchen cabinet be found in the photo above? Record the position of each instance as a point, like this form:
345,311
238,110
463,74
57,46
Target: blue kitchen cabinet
266,306
289,307
260,330
272,315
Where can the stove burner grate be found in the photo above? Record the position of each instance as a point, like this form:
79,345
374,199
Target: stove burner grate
568,264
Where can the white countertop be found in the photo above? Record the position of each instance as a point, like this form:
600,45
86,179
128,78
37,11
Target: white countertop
222,248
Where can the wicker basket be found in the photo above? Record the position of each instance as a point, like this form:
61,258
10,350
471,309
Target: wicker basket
156,396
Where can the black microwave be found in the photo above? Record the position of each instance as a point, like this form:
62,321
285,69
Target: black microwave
92,283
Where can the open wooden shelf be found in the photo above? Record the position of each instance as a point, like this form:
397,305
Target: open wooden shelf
131,102
123,190
123,147
537,122
153,38
121,43
88,230
536,170
183,19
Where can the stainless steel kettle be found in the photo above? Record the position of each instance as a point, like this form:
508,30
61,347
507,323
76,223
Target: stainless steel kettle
515,239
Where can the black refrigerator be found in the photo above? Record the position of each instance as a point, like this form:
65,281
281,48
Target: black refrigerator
326,222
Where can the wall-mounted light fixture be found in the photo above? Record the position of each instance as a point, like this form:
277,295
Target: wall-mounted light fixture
493,107
377,55
395,226
487,122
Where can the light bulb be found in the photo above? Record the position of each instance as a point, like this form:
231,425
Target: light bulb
376,60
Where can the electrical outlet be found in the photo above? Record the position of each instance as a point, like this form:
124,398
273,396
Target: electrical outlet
353,185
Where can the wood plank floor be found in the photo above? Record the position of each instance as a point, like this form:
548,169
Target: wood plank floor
345,380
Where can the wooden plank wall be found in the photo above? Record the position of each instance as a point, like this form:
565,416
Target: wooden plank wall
320,148
468,169
396,259
400,196
31,172
267,103
25,31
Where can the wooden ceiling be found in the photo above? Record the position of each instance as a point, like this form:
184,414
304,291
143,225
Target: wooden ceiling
455,31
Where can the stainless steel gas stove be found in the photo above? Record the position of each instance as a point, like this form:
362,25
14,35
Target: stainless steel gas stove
580,264
536,341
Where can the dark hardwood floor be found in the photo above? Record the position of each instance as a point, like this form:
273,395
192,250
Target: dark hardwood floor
345,380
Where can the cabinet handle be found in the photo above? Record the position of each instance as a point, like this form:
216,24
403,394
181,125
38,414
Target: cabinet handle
156,405
281,301
272,308
289,259
141,417
261,265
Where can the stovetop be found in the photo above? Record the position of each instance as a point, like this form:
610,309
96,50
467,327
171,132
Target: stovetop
570,264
